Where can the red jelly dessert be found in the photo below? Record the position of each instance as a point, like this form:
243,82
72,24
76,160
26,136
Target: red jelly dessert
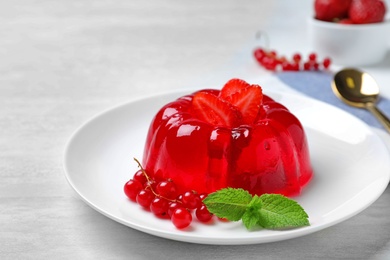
236,137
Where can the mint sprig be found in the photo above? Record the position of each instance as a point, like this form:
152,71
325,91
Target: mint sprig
269,211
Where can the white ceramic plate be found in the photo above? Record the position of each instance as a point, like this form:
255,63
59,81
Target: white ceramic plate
351,164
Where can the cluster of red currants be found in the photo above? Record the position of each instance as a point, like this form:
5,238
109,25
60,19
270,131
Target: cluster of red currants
271,61
162,199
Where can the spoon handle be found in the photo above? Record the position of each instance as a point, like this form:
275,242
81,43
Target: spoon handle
379,115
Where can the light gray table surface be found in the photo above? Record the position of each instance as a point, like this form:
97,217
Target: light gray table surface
62,62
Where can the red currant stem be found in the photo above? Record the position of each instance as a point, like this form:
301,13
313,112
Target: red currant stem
158,195
261,34
142,169
150,187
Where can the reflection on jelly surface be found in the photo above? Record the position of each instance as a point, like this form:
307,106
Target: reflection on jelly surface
269,156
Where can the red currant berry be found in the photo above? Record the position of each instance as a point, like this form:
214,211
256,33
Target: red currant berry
295,66
297,57
145,197
191,200
132,188
272,64
269,63
203,214
172,206
140,176
166,189
159,207
181,218
326,63
312,57
286,66
265,61
259,54
307,66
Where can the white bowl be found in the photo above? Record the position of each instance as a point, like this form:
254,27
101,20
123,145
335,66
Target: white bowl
350,44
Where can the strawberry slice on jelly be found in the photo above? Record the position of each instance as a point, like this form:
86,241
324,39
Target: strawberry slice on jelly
231,87
212,109
248,101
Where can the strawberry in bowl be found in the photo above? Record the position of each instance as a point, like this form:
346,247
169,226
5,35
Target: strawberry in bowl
350,11
355,36
329,10
367,11
234,137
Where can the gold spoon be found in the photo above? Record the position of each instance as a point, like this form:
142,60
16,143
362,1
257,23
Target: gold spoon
358,89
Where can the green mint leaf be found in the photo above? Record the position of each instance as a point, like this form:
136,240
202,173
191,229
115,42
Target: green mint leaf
280,212
252,213
228,203
270,211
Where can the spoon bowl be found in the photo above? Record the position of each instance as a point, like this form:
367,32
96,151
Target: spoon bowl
359,89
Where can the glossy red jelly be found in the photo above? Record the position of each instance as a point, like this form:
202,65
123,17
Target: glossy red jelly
268,156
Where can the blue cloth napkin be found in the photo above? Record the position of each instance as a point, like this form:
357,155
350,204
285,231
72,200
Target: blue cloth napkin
318,85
